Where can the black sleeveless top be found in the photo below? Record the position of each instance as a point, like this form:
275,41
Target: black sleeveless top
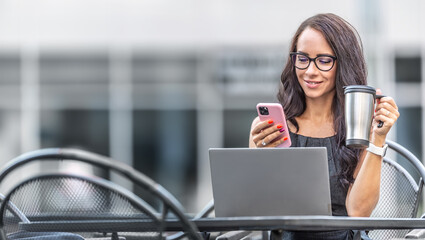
338,191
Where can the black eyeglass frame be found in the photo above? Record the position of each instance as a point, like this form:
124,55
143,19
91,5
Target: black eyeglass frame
293,54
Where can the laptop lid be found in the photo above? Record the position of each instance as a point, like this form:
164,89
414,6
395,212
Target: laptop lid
270,181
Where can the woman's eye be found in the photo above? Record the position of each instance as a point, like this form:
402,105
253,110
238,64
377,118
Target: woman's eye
302,59
325,60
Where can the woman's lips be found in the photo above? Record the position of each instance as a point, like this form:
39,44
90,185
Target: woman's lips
312,84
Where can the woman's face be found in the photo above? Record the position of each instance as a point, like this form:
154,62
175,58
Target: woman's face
315,83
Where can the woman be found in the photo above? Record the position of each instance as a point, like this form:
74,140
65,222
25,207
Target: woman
326,55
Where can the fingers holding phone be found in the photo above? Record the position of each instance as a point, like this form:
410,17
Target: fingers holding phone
268,134
270,129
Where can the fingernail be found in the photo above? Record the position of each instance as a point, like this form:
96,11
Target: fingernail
279,126
285,138
282,130
270,121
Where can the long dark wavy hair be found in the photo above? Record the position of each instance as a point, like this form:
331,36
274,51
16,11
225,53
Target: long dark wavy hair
351,70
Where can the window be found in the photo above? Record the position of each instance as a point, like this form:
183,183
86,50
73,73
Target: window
83,129
408,69
409,131
164,148
237,124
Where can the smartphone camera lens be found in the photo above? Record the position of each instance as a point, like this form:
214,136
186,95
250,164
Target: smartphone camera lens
264,110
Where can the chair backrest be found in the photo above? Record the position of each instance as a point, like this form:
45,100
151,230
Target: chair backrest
64,197
171,208
399,192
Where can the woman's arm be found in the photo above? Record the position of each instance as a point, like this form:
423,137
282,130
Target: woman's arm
363,194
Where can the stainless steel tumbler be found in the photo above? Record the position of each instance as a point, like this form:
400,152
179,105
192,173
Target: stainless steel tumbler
359,111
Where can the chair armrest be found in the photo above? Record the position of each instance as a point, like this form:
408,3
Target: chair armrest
257,236
233,235
416,234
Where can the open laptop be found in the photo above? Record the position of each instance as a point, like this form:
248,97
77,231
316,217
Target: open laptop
270,181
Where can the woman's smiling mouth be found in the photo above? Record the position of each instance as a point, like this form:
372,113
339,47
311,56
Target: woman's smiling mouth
313,84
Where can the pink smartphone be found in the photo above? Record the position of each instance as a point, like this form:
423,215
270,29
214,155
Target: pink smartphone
274,111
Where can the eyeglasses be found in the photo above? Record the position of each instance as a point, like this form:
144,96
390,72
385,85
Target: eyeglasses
323,62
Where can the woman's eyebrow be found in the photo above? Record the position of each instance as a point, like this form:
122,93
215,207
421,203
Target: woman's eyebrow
302,52
320,54
325,54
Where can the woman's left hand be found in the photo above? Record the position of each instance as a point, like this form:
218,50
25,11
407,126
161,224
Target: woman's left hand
385,111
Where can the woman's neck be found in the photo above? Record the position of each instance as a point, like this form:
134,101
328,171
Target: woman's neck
317,119
319,110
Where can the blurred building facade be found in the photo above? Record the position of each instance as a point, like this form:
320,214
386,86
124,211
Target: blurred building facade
157,83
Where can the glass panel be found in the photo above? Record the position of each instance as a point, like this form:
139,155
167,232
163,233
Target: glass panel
10,137
165,149
79,68
408,69
164,96
81,129
409,133
10,79
251,66
237,125
74,96
164,69
10,68
248,75
78,81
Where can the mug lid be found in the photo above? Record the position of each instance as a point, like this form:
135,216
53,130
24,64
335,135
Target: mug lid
359,88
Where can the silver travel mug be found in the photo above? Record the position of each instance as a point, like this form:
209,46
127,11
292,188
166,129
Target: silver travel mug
359,111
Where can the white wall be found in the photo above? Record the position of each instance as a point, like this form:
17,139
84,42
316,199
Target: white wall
158,22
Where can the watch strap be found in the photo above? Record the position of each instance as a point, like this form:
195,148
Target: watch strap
377,150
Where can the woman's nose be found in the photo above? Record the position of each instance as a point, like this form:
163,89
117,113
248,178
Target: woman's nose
312,69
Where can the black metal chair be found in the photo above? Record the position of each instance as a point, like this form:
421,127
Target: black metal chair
19,218
400,194
56,192
51,198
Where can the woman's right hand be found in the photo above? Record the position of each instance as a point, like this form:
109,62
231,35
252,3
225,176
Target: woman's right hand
265,134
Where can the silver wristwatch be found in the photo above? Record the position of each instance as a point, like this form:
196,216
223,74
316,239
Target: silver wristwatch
377,150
